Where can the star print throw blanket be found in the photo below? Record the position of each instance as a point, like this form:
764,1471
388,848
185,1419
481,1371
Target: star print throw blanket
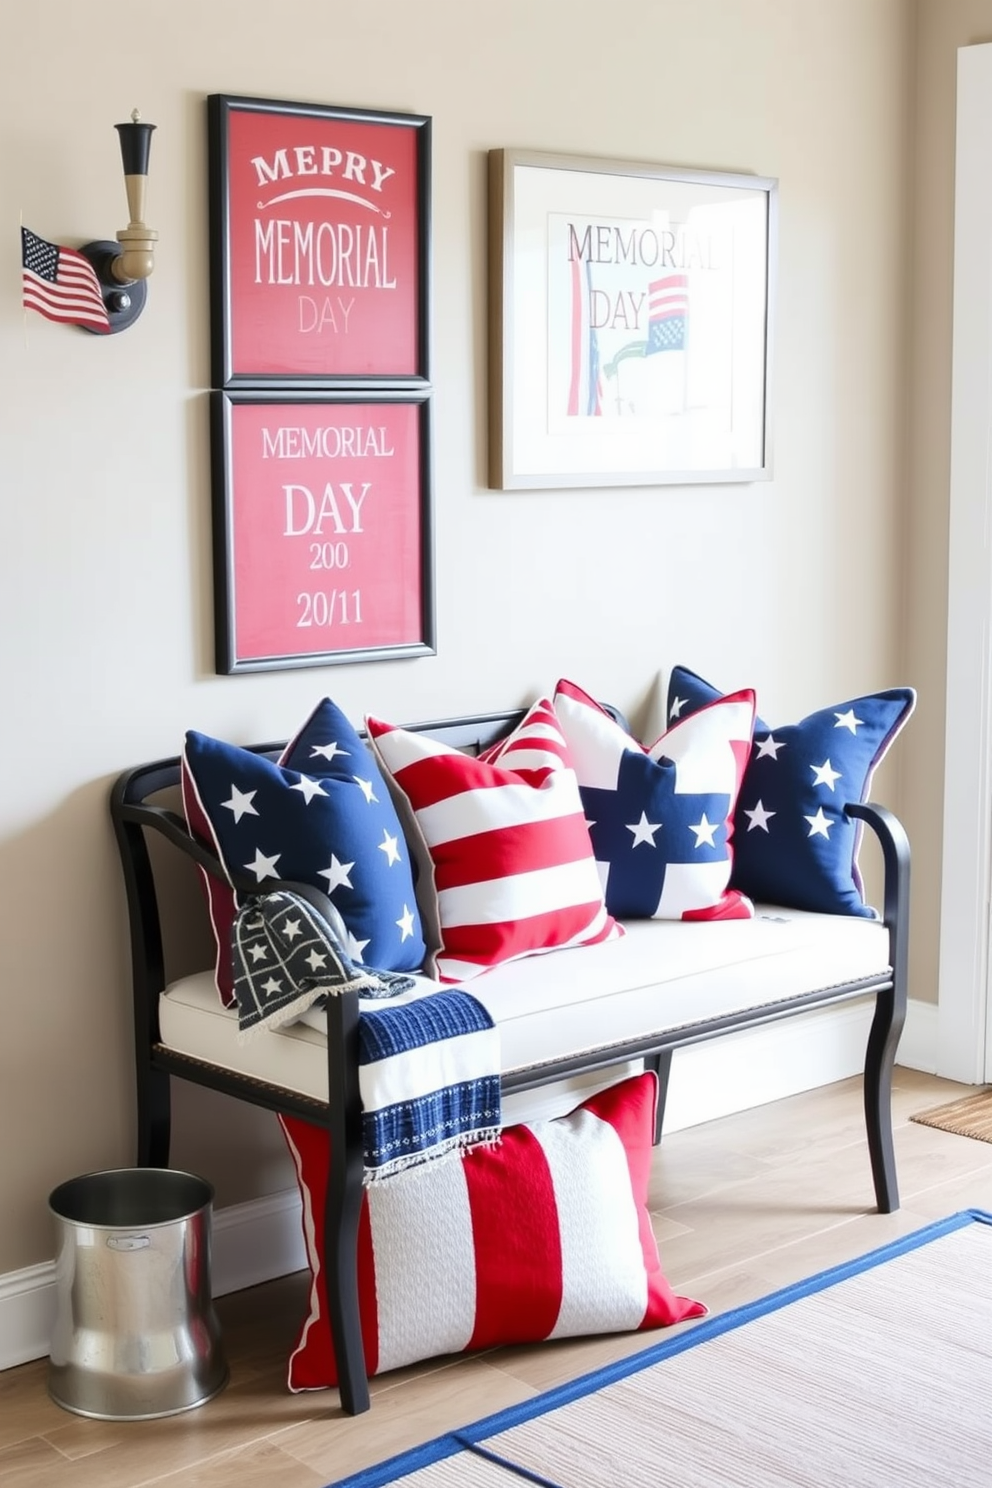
428,1065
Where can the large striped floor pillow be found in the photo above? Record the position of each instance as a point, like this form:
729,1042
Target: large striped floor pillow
545,1235
506,863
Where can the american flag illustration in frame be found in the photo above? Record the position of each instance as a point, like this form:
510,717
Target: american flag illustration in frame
631,311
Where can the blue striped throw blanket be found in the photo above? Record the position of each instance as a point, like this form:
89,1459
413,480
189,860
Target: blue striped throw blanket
428,1064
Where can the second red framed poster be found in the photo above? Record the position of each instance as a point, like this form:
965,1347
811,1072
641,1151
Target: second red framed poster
322,542
320,245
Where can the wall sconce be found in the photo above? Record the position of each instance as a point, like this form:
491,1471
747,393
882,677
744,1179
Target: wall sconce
123,267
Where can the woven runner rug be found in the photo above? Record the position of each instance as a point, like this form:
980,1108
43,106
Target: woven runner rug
970,1116
875,1374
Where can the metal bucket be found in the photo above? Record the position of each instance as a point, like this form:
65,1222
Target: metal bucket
135,1333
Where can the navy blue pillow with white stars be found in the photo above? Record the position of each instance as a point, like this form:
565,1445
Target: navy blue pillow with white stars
793,844
322,816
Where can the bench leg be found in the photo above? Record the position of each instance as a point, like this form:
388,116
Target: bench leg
661,1063
154,1118
890,1014
344,1204
343,1208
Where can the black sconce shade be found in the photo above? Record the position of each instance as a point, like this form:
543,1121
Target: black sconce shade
136,142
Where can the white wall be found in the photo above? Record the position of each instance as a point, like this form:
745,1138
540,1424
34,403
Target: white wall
105,587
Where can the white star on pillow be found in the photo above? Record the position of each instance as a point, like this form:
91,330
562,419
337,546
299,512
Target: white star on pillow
643,831
337,875
241,803
262,866
825,775
308,788
758,816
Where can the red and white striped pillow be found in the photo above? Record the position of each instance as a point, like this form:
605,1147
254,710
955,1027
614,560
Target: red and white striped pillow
506,862
546,1235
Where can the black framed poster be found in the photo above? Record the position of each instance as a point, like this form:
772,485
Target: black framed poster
322,518
320,244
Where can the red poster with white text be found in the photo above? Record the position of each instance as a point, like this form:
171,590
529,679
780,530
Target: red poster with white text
323,252
325,527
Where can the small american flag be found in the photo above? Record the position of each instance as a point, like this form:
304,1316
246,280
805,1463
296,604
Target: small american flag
668,310
585,388
61,284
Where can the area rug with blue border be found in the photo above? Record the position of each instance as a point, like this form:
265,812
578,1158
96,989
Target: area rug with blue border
873,1374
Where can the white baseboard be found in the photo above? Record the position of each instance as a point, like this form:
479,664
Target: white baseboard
918,1045
262,1239
254,1242
27,1310
739,1070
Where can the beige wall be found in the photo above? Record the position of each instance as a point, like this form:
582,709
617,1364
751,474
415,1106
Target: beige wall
794,585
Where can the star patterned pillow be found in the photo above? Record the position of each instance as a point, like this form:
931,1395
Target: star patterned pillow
661,819
794,845
321,816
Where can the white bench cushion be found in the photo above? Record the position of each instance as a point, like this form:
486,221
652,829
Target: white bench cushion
660,976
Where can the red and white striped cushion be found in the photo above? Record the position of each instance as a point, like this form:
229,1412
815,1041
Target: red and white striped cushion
506,862
546,1235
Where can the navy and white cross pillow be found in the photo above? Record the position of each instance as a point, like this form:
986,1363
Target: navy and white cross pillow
661,819
793,843
321,816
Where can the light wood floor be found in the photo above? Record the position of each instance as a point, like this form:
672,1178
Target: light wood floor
741,1206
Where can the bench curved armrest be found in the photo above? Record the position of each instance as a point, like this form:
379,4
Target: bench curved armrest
894,842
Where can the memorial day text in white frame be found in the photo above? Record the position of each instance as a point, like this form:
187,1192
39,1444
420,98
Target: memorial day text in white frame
630,322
